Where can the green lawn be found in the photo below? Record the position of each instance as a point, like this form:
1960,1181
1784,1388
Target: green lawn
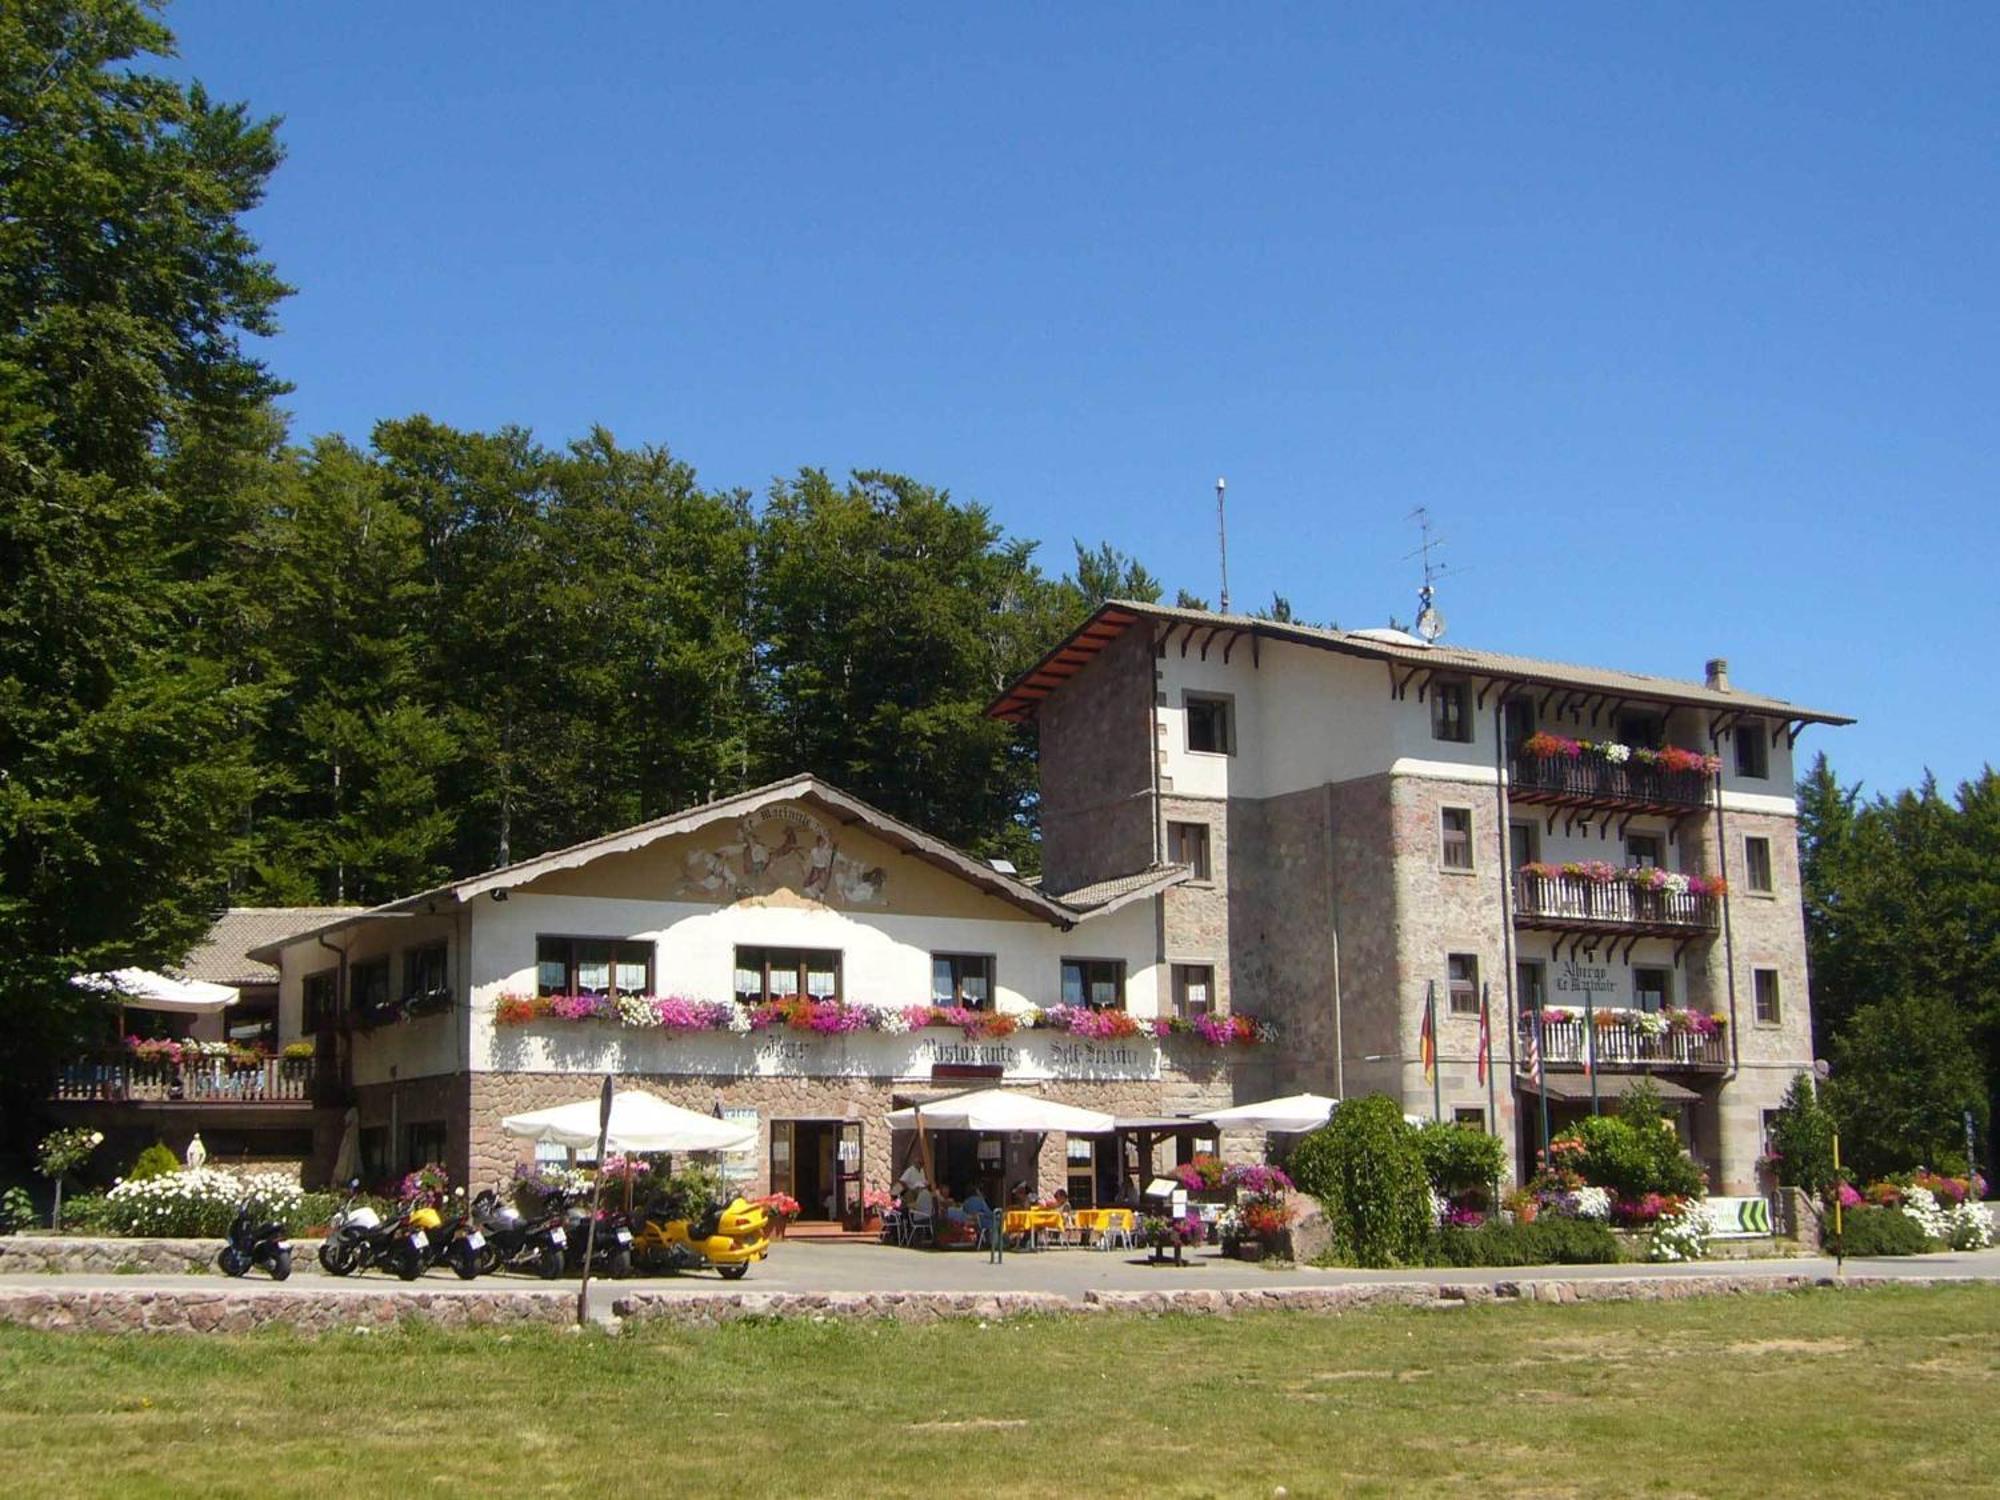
1889,1391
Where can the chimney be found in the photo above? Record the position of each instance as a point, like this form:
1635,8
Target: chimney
1718,674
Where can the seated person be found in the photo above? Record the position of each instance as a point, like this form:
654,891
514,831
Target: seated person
924,1205
1017,1195
1060,1203
1128,1193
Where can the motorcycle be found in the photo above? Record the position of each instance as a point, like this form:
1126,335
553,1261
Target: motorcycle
613,1255
253,1244
730,1237
358,1238
513,1239
457,1244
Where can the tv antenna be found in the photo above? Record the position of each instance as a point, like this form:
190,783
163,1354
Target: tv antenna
1222,540
1430,619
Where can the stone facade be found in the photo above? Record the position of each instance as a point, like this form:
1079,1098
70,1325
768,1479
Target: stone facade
1097,819
1194,916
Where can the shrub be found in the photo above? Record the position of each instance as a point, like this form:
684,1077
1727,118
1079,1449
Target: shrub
1459,1159
1364,1167
1551,1242
17,1211
89,1213
1634,1160
1878,1231
1681,1234
157,1160
197,1203
1802,1139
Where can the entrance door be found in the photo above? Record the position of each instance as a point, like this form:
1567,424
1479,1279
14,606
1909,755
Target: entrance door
819,1163
782,1178
847,1171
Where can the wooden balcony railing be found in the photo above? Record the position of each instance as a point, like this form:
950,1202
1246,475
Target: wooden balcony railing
1624,1042
1577,903
1592,781
205,1081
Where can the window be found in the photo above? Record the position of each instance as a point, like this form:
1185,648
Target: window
1451,712
1524,843
322,1000
252,1023
423,1143
1530,984
1475,1118
1208,726
1096,982
1753,752
368,985
1757,866
424,974
1765,988
1462,977
1187,844
1769,1139
1455,852
781,973
1645,851
962,979
1194,990
374,1143
1644,731
592,966
1652,989
1519,713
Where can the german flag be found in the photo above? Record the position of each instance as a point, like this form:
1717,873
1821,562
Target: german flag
1427,1045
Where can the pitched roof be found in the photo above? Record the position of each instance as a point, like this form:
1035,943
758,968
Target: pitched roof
801,788
1108,895
223,956
1019,700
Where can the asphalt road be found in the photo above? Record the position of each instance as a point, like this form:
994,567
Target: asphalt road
802,1267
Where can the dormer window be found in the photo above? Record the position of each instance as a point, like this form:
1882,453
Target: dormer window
1753,752
1209,731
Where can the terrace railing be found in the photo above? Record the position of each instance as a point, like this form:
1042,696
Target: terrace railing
275,1080
1578,902
1591,780
1623,1041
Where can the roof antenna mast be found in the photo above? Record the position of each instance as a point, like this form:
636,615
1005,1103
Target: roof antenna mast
1222,540
1430,621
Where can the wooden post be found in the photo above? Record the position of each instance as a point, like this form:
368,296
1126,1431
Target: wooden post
596,1193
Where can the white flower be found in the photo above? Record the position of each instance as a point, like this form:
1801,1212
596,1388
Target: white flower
637,1010
888,1020
1971,1227
738,1017
1921,1204
1615,753
1439,1208
1675,884
1682,1235
1592,1203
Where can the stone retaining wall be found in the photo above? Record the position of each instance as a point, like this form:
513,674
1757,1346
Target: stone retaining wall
195,1310
49,1254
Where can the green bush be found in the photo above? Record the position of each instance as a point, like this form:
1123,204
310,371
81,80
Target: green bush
157,1160
1459,1159
1551,1241
314,1210
1364,1167
1634,1160
1878,1231
17,1211
1802,1137
88,1213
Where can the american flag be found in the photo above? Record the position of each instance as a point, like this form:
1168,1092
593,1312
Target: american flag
1531,1055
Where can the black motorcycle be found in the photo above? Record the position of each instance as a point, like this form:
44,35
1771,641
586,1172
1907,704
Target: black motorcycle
613,1255
254,1244
513,1239
359,1238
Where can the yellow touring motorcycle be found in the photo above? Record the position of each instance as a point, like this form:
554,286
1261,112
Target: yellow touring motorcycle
731,1239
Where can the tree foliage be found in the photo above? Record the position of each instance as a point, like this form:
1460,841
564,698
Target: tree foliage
1902,898
134,433
1904,1074
1365,1168
1802,1137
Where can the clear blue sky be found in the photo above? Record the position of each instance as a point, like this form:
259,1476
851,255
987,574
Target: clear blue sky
1679,319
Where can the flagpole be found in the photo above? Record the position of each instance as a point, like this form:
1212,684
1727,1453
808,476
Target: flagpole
1431,1026
1486,1056
1590,1046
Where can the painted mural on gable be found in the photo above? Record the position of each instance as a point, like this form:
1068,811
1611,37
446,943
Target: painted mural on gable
779,849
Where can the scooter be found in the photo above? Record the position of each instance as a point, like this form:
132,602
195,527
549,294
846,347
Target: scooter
253,1244
731,1238
512,1239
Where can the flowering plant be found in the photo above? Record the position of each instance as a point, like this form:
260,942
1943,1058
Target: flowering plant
197,1202
428,1181
1681,1232
299,1051
874,1200
1166,1233
1671,758
779,1205
1204,1173
1257,1181
1264,1218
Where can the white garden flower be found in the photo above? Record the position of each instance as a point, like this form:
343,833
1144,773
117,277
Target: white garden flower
1592,1203
738,1017
1921,1204
1682,1235
1615,753
1971,1227
888,1020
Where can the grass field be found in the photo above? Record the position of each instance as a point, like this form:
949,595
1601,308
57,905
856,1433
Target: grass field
1889,1391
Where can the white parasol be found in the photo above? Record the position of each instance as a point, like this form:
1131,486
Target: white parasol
640,1122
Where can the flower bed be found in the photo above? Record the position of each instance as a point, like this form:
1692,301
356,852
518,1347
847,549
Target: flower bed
675,1013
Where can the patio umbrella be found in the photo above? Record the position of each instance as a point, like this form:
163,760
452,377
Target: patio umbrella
640,1122
1293,1113
142,989
1000,1110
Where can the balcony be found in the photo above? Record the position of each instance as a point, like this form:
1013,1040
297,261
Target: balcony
1675,782
203,1081
1622,903
1628,1040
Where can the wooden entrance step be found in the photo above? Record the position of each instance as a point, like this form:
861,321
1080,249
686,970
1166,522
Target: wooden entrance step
822,1229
